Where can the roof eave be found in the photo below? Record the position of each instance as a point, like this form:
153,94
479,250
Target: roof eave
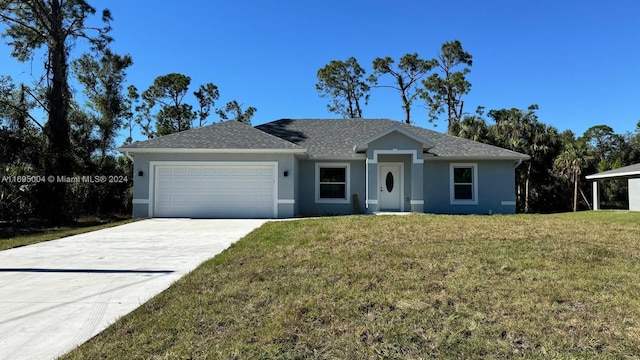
613,175
338,158
466,158
133,150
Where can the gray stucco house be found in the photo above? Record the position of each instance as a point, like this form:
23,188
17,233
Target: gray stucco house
631,173
291,167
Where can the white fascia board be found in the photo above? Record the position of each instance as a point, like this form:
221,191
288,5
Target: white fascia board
615,175
339,158
210,151
472,158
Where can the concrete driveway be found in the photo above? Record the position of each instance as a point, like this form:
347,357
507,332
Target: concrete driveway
58,294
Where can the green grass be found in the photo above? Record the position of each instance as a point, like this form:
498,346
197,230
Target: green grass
410,287
607,216
37,235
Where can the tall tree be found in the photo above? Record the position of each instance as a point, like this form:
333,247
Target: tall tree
233,111
570,163
206,96
144,119
409,71
445,90
21,146
602,139
130,103
343,81
169,91
473,128
103,84
519,130
56,25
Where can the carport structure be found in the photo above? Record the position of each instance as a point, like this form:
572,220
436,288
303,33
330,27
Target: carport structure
631,173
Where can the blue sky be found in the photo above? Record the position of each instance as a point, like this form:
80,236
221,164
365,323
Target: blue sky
578,60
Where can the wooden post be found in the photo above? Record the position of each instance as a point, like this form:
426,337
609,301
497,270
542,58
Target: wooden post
356,204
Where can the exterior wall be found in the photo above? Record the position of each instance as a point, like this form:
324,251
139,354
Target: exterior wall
392,141
307,189
634,194
286,185
296,185
409,152
496,186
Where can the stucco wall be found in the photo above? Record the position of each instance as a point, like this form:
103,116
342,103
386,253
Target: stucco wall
394,140
496,183
286,185
307,204
634,194
409,150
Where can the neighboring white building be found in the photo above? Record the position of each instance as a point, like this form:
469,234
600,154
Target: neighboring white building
631,172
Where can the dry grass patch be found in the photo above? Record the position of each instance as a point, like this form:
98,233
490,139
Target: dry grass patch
415,287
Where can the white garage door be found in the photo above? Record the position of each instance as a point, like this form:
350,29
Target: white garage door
215,191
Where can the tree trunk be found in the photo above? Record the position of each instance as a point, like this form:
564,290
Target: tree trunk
58,146
575,193
407,107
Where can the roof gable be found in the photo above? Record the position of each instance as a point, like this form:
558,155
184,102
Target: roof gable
362,145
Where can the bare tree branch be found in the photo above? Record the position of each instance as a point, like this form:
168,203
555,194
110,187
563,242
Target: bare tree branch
13,106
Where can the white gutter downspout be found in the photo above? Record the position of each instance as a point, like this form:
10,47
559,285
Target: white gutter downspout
126,153
366,183
518,163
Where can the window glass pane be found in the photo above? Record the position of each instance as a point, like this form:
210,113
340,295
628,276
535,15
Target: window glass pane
333,174
463,192
463,175
333,191
389,181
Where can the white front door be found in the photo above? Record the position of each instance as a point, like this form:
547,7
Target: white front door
390,186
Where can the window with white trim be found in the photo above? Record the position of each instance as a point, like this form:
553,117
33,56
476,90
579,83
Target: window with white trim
332,183
464,184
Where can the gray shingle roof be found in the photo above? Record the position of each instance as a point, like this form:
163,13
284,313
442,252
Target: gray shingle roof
333,138
222,135
336,138
627,171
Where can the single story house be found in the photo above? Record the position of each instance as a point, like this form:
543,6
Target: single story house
631,172
292,167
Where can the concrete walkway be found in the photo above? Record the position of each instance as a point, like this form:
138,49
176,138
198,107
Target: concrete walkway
58,294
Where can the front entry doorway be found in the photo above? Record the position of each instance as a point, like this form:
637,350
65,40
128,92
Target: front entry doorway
390,186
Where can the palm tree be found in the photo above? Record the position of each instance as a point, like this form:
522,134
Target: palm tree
569,164
473,128
540,140
519,130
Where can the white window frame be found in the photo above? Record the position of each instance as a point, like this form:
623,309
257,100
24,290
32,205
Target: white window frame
347,189
474,185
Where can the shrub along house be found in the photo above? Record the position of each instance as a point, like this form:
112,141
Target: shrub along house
291,167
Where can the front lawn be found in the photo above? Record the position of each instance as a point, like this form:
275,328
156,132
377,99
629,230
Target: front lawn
411,287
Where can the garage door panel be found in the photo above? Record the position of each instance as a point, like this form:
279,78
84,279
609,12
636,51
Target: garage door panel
215,191
177,171
192,184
